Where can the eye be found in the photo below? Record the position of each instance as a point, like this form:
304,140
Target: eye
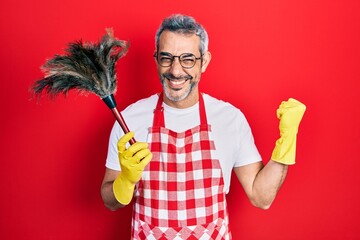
165,59
187,60
187,57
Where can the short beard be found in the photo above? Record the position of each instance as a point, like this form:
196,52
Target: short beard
165,77
182,97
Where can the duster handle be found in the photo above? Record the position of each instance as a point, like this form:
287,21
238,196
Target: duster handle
110,102
122,123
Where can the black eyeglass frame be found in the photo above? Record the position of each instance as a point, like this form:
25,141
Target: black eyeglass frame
179,57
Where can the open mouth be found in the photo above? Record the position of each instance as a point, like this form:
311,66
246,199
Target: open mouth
176,84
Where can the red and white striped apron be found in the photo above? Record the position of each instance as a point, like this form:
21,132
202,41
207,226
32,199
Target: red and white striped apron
181,193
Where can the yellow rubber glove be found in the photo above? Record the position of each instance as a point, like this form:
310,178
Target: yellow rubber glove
290,114
132,161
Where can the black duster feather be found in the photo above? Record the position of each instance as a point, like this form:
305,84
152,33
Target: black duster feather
86,67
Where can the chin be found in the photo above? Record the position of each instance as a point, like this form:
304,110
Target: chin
179,95
175,97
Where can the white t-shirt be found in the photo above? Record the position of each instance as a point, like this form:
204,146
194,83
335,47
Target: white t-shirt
230,130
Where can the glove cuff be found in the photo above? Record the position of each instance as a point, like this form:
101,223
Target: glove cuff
285,150
123,190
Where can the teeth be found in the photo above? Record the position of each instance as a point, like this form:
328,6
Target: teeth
177,82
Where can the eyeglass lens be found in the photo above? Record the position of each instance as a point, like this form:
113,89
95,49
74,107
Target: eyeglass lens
187,60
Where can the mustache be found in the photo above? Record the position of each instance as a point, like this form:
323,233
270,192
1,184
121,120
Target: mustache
170,76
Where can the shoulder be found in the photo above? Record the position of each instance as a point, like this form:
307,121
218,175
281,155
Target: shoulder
219,109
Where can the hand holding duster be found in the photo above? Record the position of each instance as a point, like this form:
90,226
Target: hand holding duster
132,161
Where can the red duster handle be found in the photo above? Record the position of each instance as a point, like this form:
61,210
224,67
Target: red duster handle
122,123
110,102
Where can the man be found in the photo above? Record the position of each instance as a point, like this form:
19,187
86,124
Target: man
187,145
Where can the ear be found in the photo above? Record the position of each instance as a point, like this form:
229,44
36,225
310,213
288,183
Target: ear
154,56
205,61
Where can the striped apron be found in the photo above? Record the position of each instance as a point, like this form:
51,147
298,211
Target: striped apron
181,193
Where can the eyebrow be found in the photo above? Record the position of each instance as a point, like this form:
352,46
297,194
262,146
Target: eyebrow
188,54
165,54
169,54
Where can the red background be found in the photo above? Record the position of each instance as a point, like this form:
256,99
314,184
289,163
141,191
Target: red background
53,152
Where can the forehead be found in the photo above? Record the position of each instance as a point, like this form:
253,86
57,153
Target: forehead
178,43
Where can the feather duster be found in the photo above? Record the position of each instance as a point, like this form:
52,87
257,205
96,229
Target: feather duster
88,68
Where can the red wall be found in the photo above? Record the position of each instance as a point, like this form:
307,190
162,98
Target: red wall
53,152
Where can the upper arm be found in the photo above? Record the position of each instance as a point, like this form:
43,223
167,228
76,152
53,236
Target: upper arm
246,175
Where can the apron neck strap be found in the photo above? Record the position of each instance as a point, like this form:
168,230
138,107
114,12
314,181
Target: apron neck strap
159,111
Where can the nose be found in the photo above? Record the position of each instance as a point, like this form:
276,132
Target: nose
176,67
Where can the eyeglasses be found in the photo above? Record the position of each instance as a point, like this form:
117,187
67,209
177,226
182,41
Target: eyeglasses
187,60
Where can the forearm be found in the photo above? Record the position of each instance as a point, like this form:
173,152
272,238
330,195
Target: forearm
108,197
267,184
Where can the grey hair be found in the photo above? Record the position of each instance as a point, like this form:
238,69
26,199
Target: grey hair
186,25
